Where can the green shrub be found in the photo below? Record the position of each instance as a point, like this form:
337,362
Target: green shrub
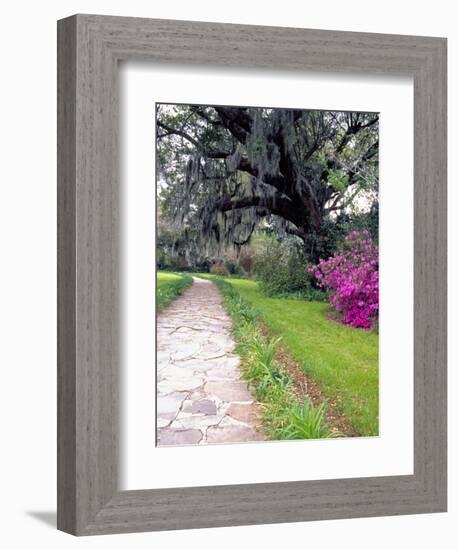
281,269
232,268
247,259
218,268
203,266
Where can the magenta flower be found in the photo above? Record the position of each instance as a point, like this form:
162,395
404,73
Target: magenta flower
351,276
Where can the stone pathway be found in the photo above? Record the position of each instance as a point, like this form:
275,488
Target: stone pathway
201,398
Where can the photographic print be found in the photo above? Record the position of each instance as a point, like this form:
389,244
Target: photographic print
267,263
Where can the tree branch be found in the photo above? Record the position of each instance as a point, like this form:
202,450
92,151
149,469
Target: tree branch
186,136
296,231
237,120
352,130
178,132
277,204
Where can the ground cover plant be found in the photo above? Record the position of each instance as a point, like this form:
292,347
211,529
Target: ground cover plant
284,417
169,286
342,360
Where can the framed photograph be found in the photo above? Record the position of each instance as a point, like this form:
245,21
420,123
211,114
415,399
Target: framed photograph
250,200
251,274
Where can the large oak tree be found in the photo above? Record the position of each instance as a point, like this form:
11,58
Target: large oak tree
224,169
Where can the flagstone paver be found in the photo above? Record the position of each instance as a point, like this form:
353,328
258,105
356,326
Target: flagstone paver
201,397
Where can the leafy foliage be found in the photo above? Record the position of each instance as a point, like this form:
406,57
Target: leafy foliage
178,249
218,268
232,267
351,276
247,259
223,170
281,269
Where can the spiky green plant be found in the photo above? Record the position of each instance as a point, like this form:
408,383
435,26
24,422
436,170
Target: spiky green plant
284,417
303,421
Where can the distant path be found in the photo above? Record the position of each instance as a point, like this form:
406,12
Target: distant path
201,398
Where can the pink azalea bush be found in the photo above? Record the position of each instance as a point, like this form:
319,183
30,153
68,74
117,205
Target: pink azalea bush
351,277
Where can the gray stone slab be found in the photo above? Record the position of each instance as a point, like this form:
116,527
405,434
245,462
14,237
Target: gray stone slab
229,390
199,384
178,437
232,434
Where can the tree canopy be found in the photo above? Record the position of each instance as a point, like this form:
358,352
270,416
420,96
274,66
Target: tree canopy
222,170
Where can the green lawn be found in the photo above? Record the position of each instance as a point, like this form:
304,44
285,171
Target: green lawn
169,286
342,360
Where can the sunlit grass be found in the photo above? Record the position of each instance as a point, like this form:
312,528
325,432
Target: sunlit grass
343,361
284,417
169,286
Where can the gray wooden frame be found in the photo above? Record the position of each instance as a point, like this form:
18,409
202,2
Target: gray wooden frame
89,48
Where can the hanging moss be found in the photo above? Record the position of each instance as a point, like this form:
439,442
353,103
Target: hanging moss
251,164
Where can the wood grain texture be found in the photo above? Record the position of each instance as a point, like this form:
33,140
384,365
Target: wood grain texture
90,48
66,275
